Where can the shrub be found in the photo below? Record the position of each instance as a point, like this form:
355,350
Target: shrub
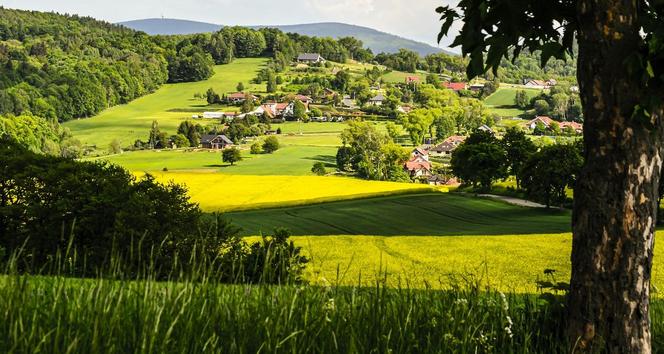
271,144
256,148
319,169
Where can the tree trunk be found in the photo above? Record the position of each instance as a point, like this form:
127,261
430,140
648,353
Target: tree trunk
615,198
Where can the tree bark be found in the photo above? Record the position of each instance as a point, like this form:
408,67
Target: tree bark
615,198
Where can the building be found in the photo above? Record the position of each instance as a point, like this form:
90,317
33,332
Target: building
420,153
538,84
486,128
455,86
240,97
547,122
412,80
417,167
310,58
577,127
448,146
304,99
377,101
213,115
477,87
348,102
215,142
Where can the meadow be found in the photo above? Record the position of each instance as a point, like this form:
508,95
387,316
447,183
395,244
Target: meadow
422,214
132,121
502,102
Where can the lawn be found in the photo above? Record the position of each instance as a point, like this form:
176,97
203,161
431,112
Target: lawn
288,161
216,192
425,214
502,101
400,76
132,121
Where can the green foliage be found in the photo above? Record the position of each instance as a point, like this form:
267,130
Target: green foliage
157,139
256,148
369,153
114,147
541,107
190,64
521,99
319,169
299,110
518,148
271,144
240,87
192,133
480,160
231,155
180,141
212,97
548,173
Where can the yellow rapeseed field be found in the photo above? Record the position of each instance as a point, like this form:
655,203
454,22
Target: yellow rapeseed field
507,263
220,193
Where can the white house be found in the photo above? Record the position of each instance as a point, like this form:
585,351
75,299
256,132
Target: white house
310,58
213,115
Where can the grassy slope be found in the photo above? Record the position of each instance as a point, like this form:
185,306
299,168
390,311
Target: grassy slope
400,77
502,101
428,214
132,121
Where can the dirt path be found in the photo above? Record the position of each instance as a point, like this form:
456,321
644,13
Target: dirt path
513,201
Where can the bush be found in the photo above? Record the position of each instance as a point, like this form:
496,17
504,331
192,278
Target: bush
256,148
271,144
319,169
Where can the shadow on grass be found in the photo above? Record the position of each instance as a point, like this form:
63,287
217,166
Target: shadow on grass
328,160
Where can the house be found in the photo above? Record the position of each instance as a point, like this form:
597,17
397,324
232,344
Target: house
416,167
448,146
213,115
404,109
455,86
420,153
412,80
552,82
377,101
240,97
477,87
536,84
310,58
215,142
546,121
304,99
438,180
577,127
486,128
348,102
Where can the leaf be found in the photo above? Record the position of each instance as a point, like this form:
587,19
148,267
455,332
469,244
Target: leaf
551,49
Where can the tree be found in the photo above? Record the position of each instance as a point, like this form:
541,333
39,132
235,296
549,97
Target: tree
541,107
240,87
180,141
192,132
548,173
319,169
271,82
418,123
299,110
518,148
212,97
540,129
231,155
271,144
393,131
248,104
621,82
114,147
433,79
157,138
256,148
521,99
480,160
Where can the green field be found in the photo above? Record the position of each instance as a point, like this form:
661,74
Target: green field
502,102
426,214
400,76
132,121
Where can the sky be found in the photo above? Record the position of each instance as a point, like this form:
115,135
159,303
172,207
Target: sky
414,19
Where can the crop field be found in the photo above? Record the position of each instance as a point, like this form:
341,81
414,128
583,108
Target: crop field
425,214
132,121
223,192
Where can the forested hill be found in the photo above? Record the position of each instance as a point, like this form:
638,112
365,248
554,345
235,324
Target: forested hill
377,41
66,67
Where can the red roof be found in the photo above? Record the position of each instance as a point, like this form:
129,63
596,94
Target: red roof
417,165
544,119
302,98
456,86
455,139
574,125
237,95
412,79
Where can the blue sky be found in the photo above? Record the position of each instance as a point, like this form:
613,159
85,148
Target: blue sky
415,19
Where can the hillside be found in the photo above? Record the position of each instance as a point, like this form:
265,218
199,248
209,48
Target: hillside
379,42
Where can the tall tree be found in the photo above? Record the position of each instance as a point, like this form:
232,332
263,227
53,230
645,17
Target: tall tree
621,79
518,148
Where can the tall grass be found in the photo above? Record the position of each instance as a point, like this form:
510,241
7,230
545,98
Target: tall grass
194,314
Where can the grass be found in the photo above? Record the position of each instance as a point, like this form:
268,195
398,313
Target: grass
400,76
224,192
502,102
425,214
132,121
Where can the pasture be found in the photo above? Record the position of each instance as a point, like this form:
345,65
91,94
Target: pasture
502,102
424,214
132,121
399,77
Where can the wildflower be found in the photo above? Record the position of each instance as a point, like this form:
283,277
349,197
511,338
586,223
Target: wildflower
506,306
461,302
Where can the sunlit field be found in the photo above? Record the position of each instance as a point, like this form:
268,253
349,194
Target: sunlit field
132,121
223,192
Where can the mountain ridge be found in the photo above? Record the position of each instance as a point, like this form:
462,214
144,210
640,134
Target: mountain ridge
378,41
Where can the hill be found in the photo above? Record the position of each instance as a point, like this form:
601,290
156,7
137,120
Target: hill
379,42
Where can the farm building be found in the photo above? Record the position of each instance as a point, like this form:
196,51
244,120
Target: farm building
547,122
213,115
448,146
455,86
310,58
215,142
239,97
377,101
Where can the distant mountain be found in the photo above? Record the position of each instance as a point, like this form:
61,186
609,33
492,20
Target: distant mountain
376,40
